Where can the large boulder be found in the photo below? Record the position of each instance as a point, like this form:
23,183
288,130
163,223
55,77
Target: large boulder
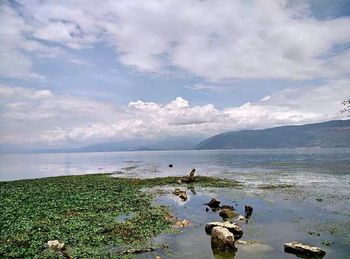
222,239
303,249
228,213
233,228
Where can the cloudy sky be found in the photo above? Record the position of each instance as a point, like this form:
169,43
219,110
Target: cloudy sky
78,72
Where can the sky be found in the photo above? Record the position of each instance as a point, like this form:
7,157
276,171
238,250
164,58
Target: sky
79,72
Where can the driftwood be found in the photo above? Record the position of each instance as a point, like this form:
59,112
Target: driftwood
190,178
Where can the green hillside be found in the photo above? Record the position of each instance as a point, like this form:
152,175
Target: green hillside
329,134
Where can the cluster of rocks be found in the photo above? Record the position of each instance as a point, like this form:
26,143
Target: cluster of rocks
225,234
228,211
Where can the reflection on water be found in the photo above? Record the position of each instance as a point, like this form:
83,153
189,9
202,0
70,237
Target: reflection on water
271,225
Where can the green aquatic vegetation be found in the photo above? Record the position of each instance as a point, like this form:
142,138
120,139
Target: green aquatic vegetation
275,186
199,181
84,212
80,211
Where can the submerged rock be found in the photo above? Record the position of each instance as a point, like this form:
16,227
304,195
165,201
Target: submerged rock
248,242
233,228
55,245
181,193
303,249
222,239
214,203
182,223
227,213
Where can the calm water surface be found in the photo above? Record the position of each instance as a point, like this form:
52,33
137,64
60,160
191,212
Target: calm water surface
229,163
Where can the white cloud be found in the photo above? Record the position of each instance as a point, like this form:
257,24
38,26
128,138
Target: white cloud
44,118
215,40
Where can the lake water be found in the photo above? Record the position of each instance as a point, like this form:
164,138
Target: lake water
300,164
318,200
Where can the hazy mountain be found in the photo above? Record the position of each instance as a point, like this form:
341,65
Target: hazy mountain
170,143
329,134
129,145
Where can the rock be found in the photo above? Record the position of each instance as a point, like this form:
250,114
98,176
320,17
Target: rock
55,245
227,207
313,233
222,239
248,211
177,191
179,181
233,228
182,223
328,242
181,193
183,196
158,257
170,165
213,203
227,213
240,217
303,249
206,209
248,242
137,250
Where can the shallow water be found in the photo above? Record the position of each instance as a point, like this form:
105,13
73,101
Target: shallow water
274,222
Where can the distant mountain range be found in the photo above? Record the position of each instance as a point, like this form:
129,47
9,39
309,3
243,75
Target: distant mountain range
331,134
170,143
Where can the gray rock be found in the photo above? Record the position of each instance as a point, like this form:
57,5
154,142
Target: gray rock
233,228
303,249
222,239
228,213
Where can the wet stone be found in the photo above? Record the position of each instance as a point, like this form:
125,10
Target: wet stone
233,228
222,239
214,203
227,213
303,249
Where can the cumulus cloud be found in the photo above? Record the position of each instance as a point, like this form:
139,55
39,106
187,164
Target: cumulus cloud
215,40
46,118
